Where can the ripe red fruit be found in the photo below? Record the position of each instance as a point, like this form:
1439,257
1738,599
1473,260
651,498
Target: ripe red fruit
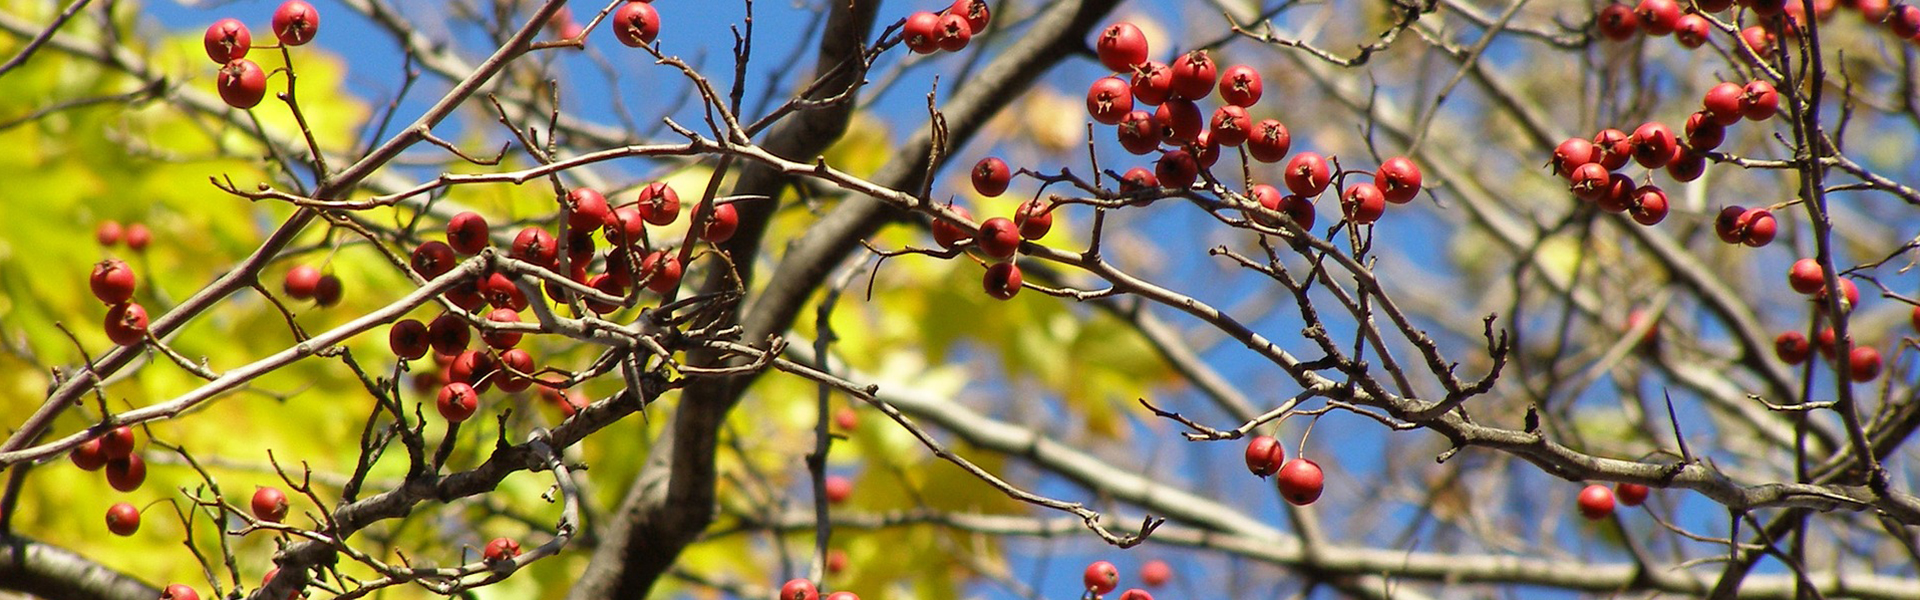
1728,224
242,84
838,489
846,419
722,221
947,233
500,291
1849,294
1138,179
990,176
108,233
1759,101
295,23
1265,455
1121,46
1687,166
1155,573
952,33
1240,86
1722,102
1824,340
1363,203
536,246
1178,121
1135,594
1002,280
662,270
636,24
1299,209
625,228
1649,205
1630,494
449,334
301,282
117,443
270,504
1205,151
457,401
1806,276
1653,145
589,209
1863,364
1307,175
1035,218
1704,133
1759,227
501,340
126,324
179,592
500,550
408,339
1109,99
227,40
123,519
88,456
1658,17
1617,22
799,589
606,285
999,237
1101,577
1300,481
1692,30
1759,40
1270,142
1194,74
126,473
1399,179
1791,347
112,281
1596,502
841,595
326,291
1152,83
1904,20
515,366
433,259
1137,132
659,204
1873,11
1177,169
1572,153
1617,194
976,13
921,32
467,233
138,236
1614,146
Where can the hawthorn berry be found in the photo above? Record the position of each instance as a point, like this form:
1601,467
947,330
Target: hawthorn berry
952,33
112,281
126,324
1874,11
1687,165
1653,145
990,176
88,455
1572,153
636,24
1692,30
1617,22
1615,148
516,365
1179,121
1630,494
659,204
500,549
1155,573
1722,102
1399,179
1824,341
117,443
500,291
1759,227
1791,347
1177,169
663,272
1617,195
999,237
301,282
976,13
1728,224
1270,142
123,519
841,595
1596,502
1704,133
536,246
227,40
449,334
1109,100
1759,40
1300,481
502,339
1194,75
1152,83
138,236
838,489
947,233
1307,174
799,589
468,233
433,259
605,284
1649,205
270,504
108,233
722,221
1138,133
1205,150
1759,101
1135,594
1658,17
846,419
327,291
1240,86
921,32
409,339
1138,179
625,228
1002,280
242,84
1265,455
1849,294
1035,219
1101,577
457,401
1121,47
295,23
179,592
1267,197
1363,203
1298,208
587,209
1904,20
1806,276
126,473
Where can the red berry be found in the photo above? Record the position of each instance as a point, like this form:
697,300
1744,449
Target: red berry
301,282
449,334
636,24
1617,22
990,176
1722,102
1270,142
921,32
1849,293
659,204
1904,20
1863,364
117,443
502,339
626,228
138,236
123,519
1240,86
1138,179
1035,218
88,456
1760,227
500,291
536,246
722,221
1649,205
1792,347
840,595
1824,340
501,550
952,33
1687,166
1658,17
1265,455
1205,150
1135,594
589,209
1728,223
799,589
846,419
1109,99
1179,121
1101,577
408,339
433,259
242,84
1307,175
1230,125
976,13
947,233
1152,83
608,286
1121,46
1873,11
1596,502
1155,573
468,233
108,233
1572,153
1692,30
1300,481
1653,145
663,271
1759,101
999,237
515,365
126,473
112,281
1704,133
1138,133
457,401
1630,494
326,291
1759,40
1194,74
179,592
126,324
1002,280
1177,169
838,489
1299,209
1614,147
1363,203
227,40
1806,276
1617,195
295,23
270,504
1399,179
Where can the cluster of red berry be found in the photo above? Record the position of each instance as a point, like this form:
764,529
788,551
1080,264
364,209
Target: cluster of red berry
1102,577
110,233
1596,501
241,83
1300,480
803,589
950,29
1806,276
